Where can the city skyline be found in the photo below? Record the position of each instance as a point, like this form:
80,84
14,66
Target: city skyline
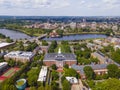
60,8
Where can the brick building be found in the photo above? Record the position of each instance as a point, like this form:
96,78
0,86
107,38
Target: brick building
60,59
99,69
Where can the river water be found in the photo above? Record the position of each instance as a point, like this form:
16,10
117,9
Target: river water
16,35
77,37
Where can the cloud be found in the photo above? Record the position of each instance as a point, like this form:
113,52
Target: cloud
82,2
111,3
33,3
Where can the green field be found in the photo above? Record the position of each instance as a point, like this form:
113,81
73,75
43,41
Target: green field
64,49
9,72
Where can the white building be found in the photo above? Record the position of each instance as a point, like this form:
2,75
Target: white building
5,44
19,56
72,80
43,74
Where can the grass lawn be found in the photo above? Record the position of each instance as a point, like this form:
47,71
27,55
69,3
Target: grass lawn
9,72
64,49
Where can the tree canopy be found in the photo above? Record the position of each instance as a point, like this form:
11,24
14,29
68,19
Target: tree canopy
89,73
110,84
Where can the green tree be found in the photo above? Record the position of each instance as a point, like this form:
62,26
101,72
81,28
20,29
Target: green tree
110,84
54,67
66,85
32,88
55,75
66,66
11,62
44,43
113,71
89,73
71,72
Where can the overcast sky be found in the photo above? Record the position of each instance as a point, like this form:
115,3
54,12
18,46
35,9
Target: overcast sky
60,7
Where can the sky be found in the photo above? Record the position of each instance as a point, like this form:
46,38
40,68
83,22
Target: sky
60,7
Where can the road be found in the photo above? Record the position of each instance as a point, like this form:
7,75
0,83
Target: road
60,84
79,86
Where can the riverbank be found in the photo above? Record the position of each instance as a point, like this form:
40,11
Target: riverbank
80,33
76,37
64,34
14,34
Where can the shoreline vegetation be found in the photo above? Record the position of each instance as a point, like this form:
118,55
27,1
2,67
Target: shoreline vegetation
64,34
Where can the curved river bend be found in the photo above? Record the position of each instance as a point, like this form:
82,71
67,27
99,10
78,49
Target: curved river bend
15,35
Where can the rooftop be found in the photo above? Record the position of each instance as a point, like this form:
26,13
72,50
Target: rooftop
3,64
72,80
61,56
42,74
94,67
3,44
20,54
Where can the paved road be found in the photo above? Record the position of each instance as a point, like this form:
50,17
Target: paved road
60,84
79,86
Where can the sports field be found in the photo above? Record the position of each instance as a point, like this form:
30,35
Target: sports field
8,73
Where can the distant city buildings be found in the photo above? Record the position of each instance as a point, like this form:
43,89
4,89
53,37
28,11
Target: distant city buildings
19,56
93,26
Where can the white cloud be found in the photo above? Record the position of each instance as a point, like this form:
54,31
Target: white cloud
34,3
111,3
82,2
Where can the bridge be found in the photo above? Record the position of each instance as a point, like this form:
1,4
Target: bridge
41,37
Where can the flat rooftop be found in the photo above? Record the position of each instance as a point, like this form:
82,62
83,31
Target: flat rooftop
62,56
3,44
3,64
43,74
20,54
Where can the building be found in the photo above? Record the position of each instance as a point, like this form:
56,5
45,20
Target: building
99,69
19,56
4,45
60,59
72,80
43,74
101,57
3,67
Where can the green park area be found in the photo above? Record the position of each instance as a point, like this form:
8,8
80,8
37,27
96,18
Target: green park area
65,48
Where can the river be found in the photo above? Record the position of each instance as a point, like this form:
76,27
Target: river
76,37
15,35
